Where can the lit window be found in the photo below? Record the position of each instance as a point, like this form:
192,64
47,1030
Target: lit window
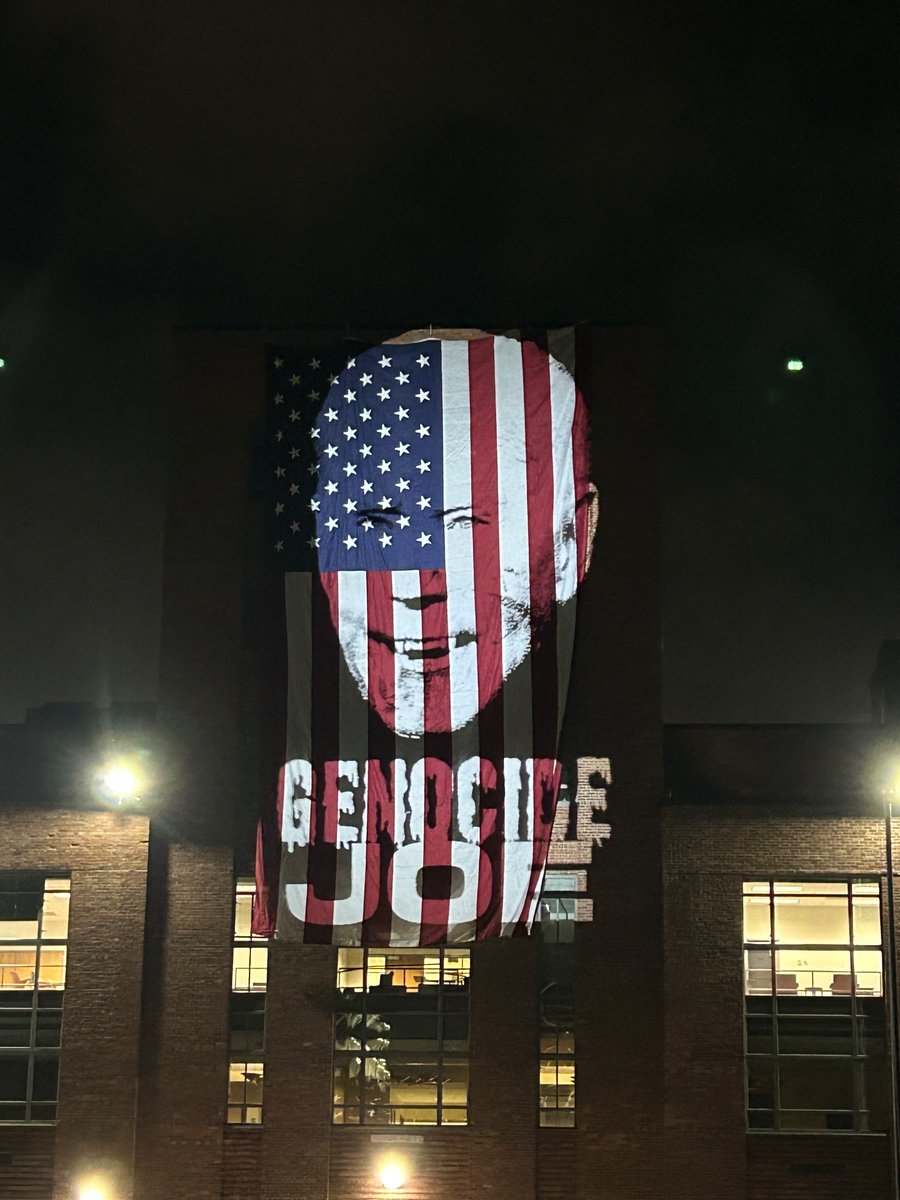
557,1054
34,925
401,1037
814,1003
249,966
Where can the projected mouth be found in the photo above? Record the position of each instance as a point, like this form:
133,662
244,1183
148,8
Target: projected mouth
423,649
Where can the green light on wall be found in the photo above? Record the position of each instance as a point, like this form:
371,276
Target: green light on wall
794,364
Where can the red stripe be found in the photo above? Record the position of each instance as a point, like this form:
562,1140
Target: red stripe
541,567
380,820
488,626
438,823
581,447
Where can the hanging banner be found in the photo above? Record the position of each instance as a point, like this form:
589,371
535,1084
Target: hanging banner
434,519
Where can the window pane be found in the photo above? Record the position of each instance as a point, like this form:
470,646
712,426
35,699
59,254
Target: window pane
816,1083
876,1090
17,968
798,887
757,919
813,920
812,972
243,908
55,917
15,1027
760,1082
13,1077
866,921
248,1009
758,972
350,969
52,967
46,1075
457,966
345,1116
412,1082
455,1116
815,1035
556,1118
456,1031
818,1122
21,897
48,1028
389,1026
760,1036
455,1082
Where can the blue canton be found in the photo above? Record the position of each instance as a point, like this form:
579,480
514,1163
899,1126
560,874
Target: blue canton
378,439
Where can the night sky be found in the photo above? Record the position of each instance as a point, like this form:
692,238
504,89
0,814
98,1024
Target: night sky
730,172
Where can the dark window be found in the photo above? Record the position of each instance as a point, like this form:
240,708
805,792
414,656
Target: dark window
34,926
558,910
401,1037
814,1006
249,966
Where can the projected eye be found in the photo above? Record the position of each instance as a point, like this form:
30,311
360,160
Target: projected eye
462,519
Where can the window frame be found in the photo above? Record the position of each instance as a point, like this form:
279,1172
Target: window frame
34,1053
240,1114
783,1004
439,1055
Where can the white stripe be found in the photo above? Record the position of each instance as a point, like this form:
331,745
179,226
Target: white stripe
463,909
353,737
565,542
458,548
296,803
512,503
354,639
409,822
515,598
518,780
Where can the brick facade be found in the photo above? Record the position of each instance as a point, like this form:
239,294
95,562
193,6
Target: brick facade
658,985
106,856
709,852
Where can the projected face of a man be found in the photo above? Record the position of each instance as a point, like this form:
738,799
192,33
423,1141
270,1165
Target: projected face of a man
430,647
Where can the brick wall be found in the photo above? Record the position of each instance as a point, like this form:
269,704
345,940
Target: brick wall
298,1086
242,1164
817,1168
106,855
615,712
184,1069
26,1162
708,853
503,1089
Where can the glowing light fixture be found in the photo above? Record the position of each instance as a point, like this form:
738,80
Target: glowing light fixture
121,781
794,364
91,1193
392,1176
2,363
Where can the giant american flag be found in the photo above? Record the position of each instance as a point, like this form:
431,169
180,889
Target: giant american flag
431,512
